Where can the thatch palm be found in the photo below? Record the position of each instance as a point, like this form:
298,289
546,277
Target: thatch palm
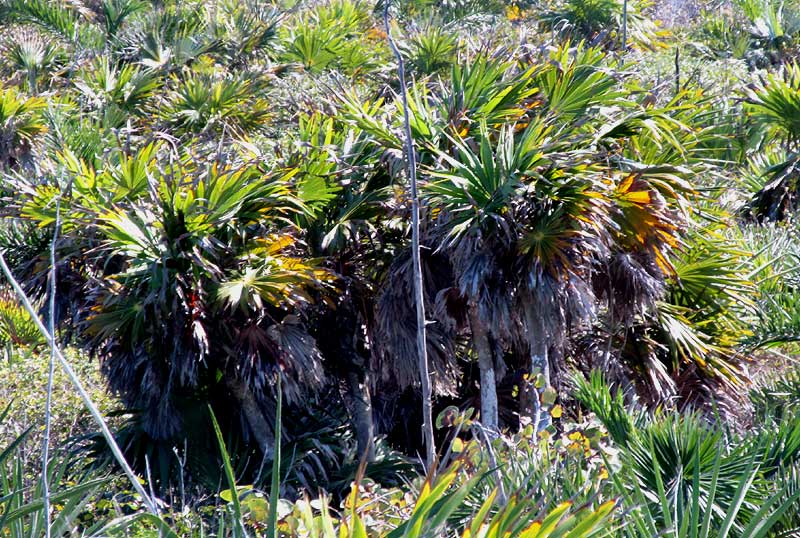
521,238
195,282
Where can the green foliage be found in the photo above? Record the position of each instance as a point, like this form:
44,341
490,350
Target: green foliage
774,23
686,477
117,93
432,50
17,329
602,20
334,35
21,122
201,104
116,12
34,57
775,105
595,394
57,18
235,235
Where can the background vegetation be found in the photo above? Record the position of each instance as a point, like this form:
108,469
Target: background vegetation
609,249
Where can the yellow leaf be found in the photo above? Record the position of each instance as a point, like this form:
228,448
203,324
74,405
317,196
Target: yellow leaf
556,411
626,184
638,197
532,531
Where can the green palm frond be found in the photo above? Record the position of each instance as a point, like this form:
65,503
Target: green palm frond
476,195
245,30
774,104
432,49
67,21
34,56
201,104
486,90
21,122
117,92
116,12
575,80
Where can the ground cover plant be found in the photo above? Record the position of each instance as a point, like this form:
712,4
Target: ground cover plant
399,268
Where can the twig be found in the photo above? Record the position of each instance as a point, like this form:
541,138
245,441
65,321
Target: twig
419,297
502,498
93,410
182,465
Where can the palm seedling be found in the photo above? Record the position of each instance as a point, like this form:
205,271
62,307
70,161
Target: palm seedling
772,23
690,479
324,36
432,49
114,14
246,31
58,18
167,40
601,21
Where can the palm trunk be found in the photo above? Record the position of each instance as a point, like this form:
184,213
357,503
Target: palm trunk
259,426
540,362
531,395
361,414
483,348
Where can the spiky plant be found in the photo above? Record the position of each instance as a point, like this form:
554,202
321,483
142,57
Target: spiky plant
432,49
192,243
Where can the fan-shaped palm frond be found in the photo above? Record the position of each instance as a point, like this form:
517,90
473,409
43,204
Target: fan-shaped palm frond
59,18
245,30
33,56
574,80
200,104
774,104
21,121
117,92
432,49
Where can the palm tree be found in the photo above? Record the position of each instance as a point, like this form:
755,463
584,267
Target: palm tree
348,200
195,280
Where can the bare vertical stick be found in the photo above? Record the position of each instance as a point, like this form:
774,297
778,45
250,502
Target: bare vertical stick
87,401
419,297
51,372
624,26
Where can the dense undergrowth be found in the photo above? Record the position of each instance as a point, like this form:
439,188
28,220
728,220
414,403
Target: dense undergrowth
609,253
